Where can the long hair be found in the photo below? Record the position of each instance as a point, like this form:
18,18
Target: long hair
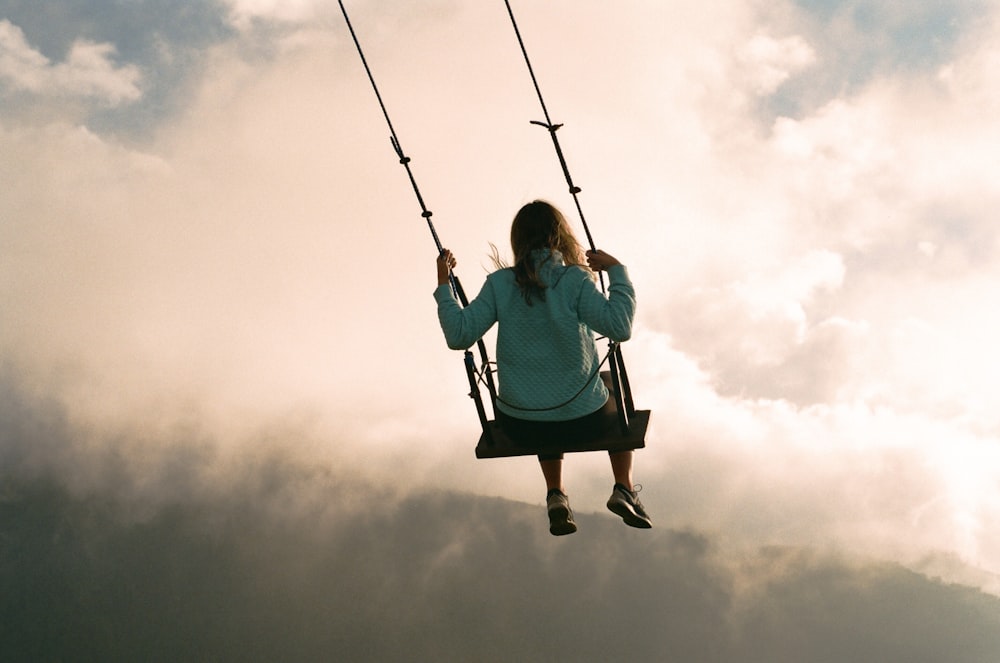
539,225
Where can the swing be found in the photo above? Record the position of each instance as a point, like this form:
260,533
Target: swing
624,427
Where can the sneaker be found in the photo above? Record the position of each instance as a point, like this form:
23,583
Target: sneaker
560,515
625,503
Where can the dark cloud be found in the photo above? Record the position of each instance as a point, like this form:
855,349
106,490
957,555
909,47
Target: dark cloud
442,577
290,560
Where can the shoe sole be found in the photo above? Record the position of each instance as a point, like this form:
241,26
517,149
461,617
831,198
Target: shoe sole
559,522
631,518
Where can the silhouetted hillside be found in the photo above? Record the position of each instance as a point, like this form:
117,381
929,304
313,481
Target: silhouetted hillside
442,577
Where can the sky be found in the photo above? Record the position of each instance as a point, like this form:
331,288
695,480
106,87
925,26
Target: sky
220,356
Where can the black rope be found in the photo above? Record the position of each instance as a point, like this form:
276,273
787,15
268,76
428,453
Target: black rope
456,285
618,375
426,213
553,128
396,146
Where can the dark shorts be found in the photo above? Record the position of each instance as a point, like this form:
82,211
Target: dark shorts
542,434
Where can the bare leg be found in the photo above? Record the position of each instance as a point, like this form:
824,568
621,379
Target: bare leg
552,471
621,466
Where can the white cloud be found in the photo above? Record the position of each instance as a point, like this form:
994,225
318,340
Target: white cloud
19,63
785,292
244,12
89,70
769,62
764,335
866,478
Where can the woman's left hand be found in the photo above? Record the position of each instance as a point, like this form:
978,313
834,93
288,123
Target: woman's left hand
599,260
445,263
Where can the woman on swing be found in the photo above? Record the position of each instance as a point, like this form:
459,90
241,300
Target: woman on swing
548,306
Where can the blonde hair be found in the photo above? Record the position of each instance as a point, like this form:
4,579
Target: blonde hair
539,225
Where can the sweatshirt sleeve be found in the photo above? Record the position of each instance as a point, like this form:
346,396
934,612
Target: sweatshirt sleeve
611,316
464,326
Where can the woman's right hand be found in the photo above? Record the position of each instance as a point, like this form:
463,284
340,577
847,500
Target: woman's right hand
445,263
599,260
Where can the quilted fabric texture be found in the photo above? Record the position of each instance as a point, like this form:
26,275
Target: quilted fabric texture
545,351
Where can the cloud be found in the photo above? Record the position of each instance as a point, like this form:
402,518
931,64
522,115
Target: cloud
289,16
770,62
870,176
226,309
295,11
852,476
765,314
89,70
294,561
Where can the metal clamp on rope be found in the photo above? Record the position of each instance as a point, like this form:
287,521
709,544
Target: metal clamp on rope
551,127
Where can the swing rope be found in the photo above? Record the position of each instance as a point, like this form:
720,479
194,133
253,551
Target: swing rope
617,366
456,285
619,374
397,147
552,129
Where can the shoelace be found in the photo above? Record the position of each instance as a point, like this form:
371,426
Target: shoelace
634,493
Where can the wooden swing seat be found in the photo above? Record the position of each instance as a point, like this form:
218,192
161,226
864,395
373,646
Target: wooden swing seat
494,443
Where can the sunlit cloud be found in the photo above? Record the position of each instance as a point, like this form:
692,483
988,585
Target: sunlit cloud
770,62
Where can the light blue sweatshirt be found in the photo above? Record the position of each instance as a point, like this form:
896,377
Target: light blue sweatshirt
546,351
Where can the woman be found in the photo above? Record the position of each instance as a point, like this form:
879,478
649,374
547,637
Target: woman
548,306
